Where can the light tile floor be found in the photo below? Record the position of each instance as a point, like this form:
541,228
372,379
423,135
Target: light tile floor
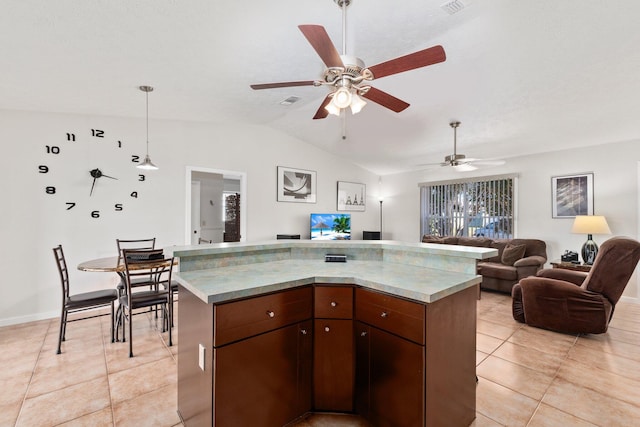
528,376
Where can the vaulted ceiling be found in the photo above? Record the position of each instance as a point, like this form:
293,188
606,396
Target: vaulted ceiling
522,76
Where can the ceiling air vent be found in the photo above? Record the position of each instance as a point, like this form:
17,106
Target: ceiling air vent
290,100
452,7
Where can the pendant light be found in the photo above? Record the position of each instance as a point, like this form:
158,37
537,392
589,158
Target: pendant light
147,164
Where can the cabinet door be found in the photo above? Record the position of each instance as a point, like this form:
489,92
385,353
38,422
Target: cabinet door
395,378
262,380
333,365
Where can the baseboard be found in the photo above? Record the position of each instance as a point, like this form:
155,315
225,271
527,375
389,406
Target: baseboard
29,318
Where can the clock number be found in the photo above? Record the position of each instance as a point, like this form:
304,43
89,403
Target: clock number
70,205
50,190
97,133
95,214
53,149
43,169
71,137
119,144
141,177
118,207
134,194
135,159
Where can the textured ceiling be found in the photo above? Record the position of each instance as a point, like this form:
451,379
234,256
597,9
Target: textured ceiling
522,76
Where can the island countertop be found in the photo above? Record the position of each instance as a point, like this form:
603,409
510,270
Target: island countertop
418,271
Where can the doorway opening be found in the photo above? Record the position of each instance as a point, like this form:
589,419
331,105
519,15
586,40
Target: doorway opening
211,213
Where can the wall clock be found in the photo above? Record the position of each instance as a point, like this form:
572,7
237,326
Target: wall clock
91,172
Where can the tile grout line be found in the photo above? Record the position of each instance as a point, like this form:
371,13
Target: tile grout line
33,371
555,375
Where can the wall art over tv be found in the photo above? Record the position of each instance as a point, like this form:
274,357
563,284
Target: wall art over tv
296,185
572,195
351,196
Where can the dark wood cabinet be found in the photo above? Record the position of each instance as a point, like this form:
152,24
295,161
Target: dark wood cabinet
389,378
390,358
264,380
415,363
258,359
271,358
333,354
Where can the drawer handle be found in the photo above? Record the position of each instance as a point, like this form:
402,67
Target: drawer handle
271,313
303,331
334,304
363,334
384,314
326,329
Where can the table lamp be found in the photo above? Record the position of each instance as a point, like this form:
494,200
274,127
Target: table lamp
590,224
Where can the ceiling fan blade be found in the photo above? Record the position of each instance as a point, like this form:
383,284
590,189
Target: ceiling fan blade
322,112
282,84
320,41
422,58
386,100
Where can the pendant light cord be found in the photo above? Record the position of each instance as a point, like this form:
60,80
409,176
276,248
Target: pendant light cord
147,92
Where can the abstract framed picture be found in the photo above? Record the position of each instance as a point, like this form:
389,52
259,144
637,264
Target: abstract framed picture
296,185
351,196
572,195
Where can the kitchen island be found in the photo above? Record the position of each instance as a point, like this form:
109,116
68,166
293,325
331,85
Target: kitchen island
270,331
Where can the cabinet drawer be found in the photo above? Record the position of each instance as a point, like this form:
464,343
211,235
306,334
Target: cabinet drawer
252,316
392,314
333,302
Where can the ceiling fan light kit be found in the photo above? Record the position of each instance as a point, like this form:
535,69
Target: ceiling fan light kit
347,76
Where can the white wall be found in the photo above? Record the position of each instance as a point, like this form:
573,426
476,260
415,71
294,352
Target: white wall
33,222
615,168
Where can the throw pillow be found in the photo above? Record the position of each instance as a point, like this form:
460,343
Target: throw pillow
512,253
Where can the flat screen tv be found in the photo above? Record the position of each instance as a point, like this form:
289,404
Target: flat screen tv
327,226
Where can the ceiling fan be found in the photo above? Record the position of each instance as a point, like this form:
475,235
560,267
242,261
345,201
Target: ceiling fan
460,162
347,75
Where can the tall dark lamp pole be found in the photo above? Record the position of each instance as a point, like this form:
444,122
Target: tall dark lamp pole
589,225
381,218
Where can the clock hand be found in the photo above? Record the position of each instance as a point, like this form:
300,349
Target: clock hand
92,185
107,176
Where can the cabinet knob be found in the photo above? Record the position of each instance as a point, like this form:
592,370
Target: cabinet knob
363,333
271,313
303,331
334,304
326,329
384,314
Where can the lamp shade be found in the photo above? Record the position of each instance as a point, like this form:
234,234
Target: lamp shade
590,224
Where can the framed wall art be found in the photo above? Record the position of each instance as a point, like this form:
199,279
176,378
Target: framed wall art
572,195
296,185
351,196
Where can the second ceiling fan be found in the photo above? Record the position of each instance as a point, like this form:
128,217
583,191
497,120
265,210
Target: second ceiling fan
349,78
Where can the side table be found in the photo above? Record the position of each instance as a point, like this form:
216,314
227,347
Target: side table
571,266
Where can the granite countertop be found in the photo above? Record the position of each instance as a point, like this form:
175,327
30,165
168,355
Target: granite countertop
391,245
417,283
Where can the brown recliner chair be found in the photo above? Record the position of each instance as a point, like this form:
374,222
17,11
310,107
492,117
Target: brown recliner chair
574,302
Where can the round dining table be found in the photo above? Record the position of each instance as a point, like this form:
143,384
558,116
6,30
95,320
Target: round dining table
107,264
112,264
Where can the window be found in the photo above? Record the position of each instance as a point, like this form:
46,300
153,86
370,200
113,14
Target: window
482,207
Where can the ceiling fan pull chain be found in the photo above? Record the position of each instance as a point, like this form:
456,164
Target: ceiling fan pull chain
344,123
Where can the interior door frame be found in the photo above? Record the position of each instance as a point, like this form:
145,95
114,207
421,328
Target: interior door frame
242,176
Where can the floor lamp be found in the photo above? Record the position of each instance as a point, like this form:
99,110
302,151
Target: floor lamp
380,218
